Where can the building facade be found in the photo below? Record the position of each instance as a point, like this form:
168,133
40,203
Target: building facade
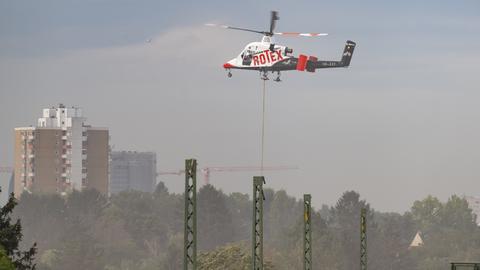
61,154
474,204
133,171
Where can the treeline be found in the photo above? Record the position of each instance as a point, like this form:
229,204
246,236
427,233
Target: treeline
135,230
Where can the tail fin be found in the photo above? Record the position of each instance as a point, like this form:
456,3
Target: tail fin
348,52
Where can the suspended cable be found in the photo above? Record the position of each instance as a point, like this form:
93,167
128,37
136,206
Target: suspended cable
263,128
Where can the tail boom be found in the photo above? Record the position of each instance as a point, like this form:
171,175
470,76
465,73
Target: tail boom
344,62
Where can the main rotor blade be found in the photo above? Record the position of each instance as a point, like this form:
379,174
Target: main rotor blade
273,18
235,28
297,34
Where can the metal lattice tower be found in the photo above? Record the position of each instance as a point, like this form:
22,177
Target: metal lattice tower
257,230
363,239
190,232
307,232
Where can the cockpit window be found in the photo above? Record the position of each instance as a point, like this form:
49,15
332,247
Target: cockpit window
247,53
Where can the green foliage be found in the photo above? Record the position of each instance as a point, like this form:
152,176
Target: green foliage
230,257
144,231
10,237
214,222
427,214
449,231
345,220
5,262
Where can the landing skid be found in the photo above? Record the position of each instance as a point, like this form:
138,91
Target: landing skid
264,75
277,79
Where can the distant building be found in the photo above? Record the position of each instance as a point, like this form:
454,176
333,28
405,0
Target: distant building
132,171
6,184
62,153
417,241
474,204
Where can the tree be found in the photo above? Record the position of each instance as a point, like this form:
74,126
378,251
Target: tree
5,262
80,250
284,212
214,220
345,221
230,257
137,211
457,215
449,232
240,208
11,235
427,214
394,235
42,215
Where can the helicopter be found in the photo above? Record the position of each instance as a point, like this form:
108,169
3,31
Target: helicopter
267,56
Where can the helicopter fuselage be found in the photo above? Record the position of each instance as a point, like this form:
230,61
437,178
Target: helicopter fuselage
259,56
265,56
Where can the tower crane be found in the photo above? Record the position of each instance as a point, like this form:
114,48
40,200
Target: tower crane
206,171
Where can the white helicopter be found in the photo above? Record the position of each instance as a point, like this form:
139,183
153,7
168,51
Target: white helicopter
266,56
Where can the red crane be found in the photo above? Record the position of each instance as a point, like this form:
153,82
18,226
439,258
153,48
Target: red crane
207,170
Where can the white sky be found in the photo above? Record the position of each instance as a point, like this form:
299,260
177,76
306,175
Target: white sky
399,124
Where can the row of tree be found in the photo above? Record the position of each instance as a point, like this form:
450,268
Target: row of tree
135,230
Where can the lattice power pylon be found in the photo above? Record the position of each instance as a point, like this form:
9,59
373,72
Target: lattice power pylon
257,229
307,232
190,232
363,239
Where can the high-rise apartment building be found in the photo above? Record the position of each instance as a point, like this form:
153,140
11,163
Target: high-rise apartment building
61,154
133,171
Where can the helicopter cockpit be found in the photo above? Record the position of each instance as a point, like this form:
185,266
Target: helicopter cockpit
247,54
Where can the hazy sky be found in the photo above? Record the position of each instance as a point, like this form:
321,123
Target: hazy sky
401,123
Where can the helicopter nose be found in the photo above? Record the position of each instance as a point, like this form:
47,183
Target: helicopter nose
227,65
